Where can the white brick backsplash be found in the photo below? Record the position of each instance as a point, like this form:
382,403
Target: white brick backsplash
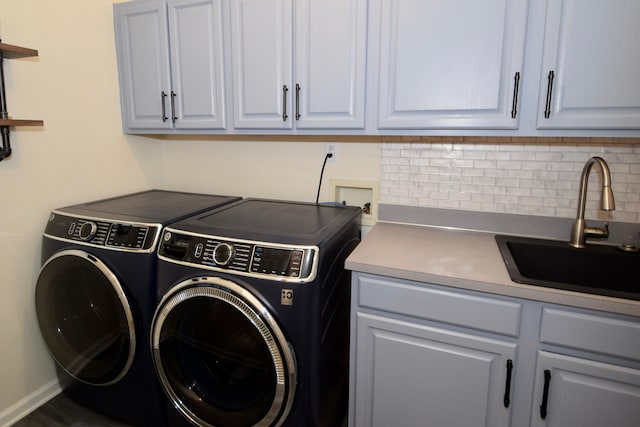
534,178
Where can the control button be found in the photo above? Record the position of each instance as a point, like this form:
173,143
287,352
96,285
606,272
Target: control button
167,236
72,229
223,254
198,251
87,230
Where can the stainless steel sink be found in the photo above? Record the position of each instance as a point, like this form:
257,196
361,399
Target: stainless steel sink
594,269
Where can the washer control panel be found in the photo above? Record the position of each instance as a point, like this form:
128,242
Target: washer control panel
104,233
250,258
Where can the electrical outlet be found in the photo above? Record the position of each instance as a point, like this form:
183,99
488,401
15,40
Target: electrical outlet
331,148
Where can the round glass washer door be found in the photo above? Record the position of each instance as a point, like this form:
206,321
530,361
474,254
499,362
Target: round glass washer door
85,318
221,357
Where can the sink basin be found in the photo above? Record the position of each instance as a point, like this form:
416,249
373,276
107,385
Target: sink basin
595,269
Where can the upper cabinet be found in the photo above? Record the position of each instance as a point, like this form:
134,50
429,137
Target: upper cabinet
380,67
298,63
449,64
170,60
590,65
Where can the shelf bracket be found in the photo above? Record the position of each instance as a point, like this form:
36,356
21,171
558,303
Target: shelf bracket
5,151
10,51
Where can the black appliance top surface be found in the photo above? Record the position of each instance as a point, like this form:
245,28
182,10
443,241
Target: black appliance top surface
159,206
272,220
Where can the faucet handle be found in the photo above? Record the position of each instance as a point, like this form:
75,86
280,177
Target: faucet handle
596,232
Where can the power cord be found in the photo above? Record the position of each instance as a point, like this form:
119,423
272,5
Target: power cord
327,157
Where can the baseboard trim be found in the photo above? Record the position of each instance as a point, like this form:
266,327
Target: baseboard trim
29,403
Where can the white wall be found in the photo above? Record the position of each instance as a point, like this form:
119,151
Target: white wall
81,154
280,170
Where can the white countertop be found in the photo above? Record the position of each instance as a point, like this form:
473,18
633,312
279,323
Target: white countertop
461,259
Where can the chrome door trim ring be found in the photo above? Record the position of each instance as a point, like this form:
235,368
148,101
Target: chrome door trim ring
257,313
124,302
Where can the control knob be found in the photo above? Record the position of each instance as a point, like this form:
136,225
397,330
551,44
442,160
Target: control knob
223,254
87,230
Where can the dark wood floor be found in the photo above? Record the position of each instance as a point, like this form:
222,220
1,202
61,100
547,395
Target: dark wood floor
63,412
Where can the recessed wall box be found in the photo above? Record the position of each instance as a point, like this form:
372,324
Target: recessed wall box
357,193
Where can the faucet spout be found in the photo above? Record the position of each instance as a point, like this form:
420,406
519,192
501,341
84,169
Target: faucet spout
580,231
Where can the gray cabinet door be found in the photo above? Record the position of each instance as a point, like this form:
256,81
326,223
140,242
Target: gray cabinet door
197,67
448,65
142,40
592,49
330,57
584,393
261,51
415,375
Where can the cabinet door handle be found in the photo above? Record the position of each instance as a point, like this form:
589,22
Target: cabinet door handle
507,386
516,88
545,394
297,101
285,89
163,95
547,109
173,107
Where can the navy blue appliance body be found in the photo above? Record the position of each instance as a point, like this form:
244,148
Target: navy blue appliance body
96,294
286,261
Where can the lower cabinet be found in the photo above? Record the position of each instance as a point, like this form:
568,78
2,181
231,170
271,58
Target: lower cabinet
409,373
429,355
571,391
587,370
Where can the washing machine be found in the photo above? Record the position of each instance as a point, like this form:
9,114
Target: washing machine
252,324
96,294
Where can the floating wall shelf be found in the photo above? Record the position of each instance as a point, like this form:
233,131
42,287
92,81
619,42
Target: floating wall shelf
8,51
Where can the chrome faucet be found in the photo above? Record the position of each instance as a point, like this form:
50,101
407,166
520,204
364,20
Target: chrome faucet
580,231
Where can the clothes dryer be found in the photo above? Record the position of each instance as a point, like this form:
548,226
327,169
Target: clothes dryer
96,293
252,326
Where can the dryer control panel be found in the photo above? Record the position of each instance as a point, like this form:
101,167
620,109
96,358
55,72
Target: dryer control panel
249,258
126,236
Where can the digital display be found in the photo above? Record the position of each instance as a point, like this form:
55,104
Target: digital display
281,262
275,260
127,236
